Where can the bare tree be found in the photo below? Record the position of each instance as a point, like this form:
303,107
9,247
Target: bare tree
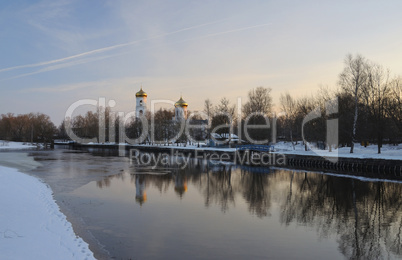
35,127
44,128
222,120
256,111
61,130
376,95
324,99
259,100
208,108
164,126
225,107
394,108
312,129
353,79
288,105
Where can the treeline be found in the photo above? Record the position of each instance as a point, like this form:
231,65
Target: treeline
27,127
369,107
159,127
92,125
365,107
163,128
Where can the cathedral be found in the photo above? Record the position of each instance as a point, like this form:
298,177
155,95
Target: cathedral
180,107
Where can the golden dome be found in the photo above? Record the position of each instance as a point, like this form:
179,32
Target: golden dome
181,103
141,93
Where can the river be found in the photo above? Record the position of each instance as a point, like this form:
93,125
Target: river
210,211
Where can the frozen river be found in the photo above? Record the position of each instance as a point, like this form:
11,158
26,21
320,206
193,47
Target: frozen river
207,211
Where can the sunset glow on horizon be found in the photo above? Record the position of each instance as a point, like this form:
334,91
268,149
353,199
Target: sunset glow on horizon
57,52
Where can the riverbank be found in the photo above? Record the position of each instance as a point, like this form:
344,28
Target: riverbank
9,145
32,226
31,223
365,162
388,152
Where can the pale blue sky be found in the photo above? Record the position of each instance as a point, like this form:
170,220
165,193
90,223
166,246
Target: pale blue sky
53,53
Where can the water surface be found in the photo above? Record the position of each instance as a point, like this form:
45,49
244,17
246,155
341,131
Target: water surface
222,211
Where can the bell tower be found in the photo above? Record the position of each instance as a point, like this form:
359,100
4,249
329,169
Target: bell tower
141,103
180,110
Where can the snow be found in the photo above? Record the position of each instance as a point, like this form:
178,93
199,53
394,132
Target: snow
226,135
63,142
6,145
189,147
216,135
388,152
31,224
107,143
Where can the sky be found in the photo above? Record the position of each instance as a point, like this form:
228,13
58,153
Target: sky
54,53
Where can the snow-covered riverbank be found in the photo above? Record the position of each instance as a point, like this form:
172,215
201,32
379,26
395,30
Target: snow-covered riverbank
388,152
31,224
8,145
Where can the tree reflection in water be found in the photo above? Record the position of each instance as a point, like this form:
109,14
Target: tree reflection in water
365,216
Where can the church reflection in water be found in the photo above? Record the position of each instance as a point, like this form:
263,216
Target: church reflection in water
365,216
140,193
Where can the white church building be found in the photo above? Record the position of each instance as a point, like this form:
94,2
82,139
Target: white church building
141,101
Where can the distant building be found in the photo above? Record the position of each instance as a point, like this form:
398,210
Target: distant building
141,103
180,109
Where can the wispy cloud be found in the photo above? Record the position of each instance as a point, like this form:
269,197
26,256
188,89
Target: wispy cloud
87,84
105,49
65,65
235,30
69,61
